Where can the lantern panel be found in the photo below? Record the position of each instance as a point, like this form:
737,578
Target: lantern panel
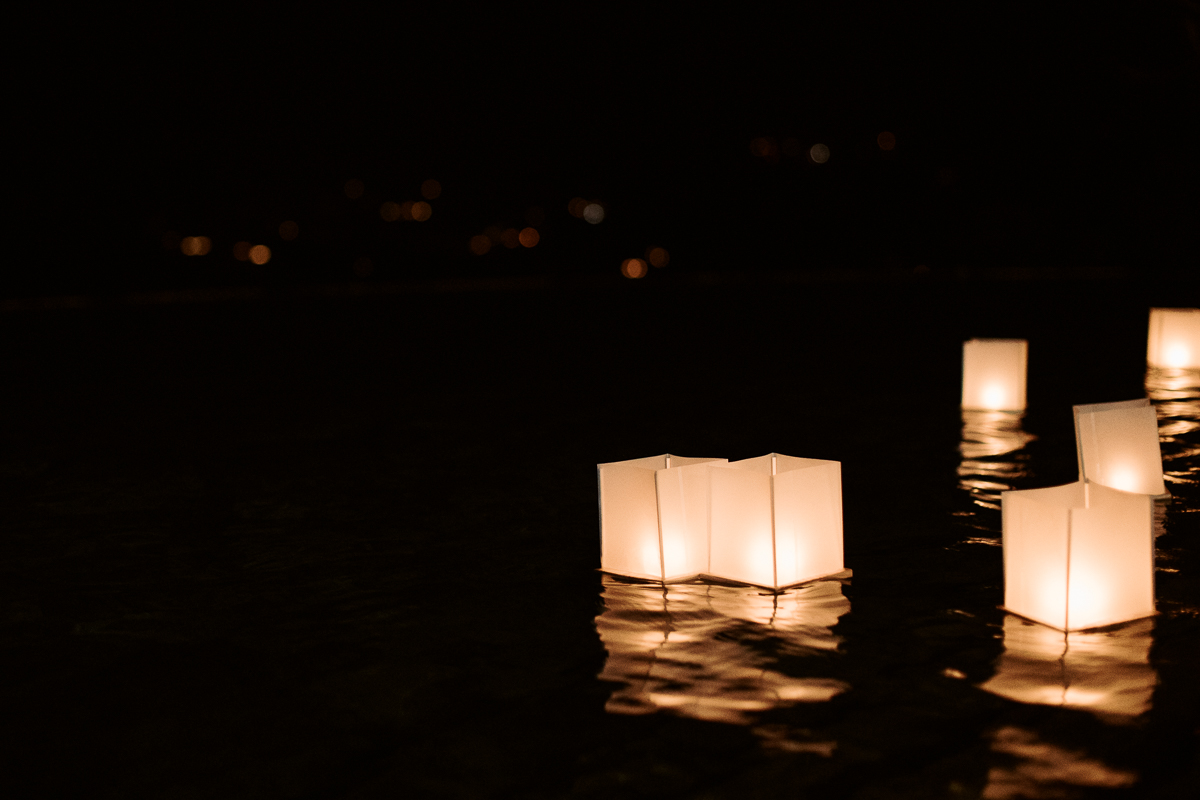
1036,525
1112,559
1174,339
629,543
1078,556
683,516
1118,446
994,374
808,519
742,546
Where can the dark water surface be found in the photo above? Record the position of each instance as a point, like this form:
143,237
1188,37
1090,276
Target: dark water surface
347,548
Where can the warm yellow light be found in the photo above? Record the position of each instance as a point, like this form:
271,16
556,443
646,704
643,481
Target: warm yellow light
195,245
390,211
431,189
994,374
241,251
353,188
886,140
288,231
1174,339
1117,445
576,206
421,211
1078,556
634,268
819,153
529,237
658,256
259,254
510,238
479,245
593,213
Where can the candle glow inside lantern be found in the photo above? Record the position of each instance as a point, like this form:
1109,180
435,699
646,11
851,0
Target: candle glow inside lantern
1078,556
1174,339
654,517
994,374
776,520
1118,446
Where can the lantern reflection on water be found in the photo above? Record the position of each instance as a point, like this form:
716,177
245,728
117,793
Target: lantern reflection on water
991,457
994,374
1078,556
1175,396
1117,444
716,652
1174,339
1107,672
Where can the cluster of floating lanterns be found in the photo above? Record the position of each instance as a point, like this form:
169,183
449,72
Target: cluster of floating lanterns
1076,557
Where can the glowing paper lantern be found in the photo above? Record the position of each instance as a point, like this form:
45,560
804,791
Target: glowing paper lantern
1078,556
994,374
654,516
1118,446
776,520
1174,338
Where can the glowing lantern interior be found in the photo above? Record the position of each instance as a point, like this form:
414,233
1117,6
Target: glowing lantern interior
776,520
1118,446
1078,556
1174,339
654,516
994,374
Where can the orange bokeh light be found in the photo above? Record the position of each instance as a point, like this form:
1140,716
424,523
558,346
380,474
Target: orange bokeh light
510,238
421,211
634,268
480,245
887,140
289,230
576,206
195,245
390,211
354,188
658,256
529,237
241,251
260,254
431,189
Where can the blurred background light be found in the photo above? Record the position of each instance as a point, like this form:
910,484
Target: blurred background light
510,238
288,231
634,268
593,213
657,256
353,188
241,251
390,211
195,245
819,153
260,254
479,245
421,211
887,140
529,237
576,206
431,189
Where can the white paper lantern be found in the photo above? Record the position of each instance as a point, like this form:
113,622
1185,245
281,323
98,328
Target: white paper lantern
776,520
1105,672
994,374
1078,556
1174,339
1118,446
654,516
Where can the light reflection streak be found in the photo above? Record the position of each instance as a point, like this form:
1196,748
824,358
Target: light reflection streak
1175,395
992,460
1106,672
1037,769
717,652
